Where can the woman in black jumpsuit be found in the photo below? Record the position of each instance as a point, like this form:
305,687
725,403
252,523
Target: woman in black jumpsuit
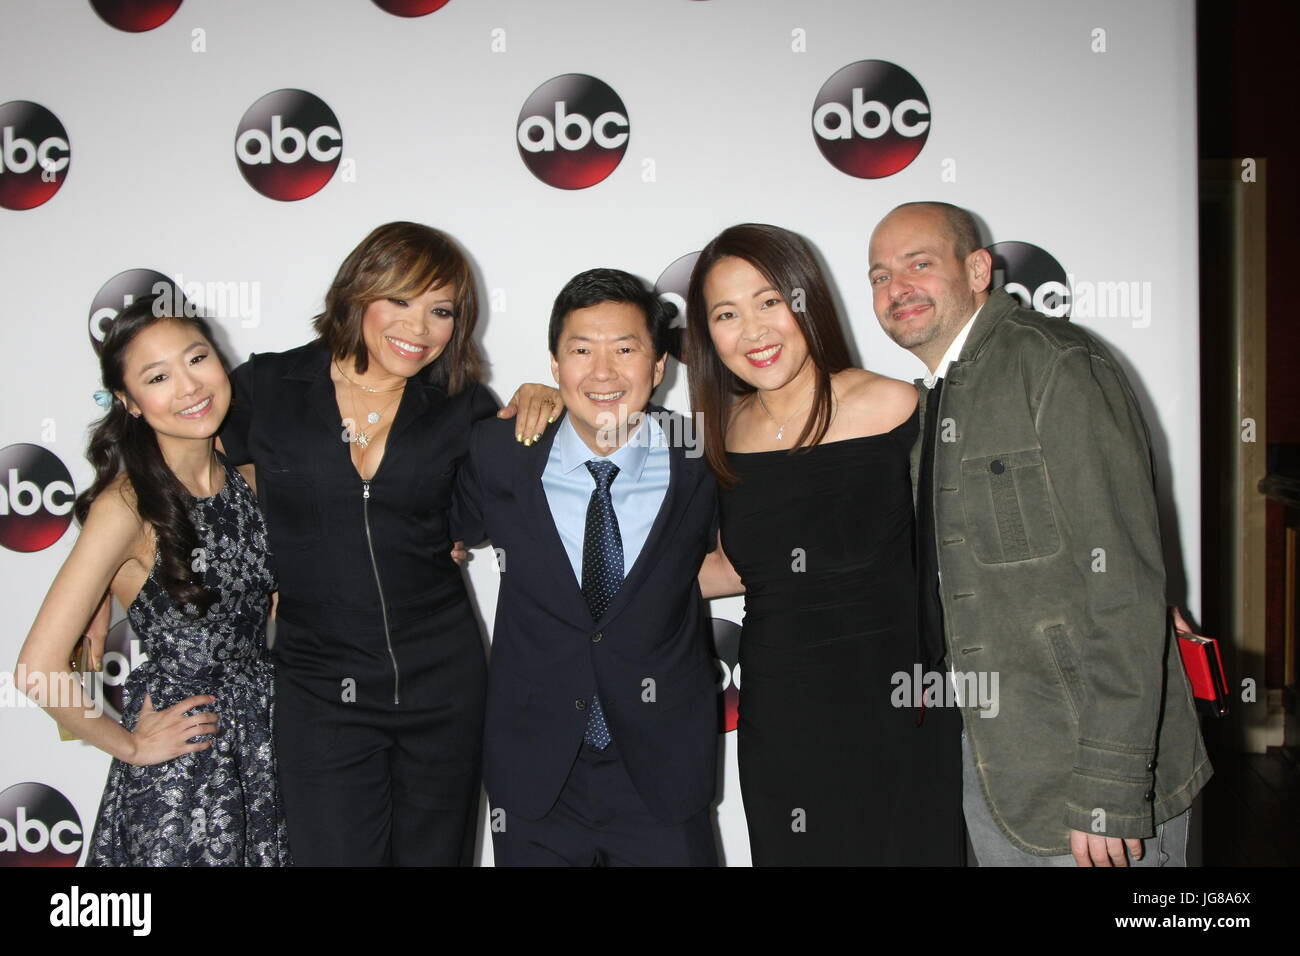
380,662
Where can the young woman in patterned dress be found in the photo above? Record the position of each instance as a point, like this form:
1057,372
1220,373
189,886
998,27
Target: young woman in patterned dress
175,534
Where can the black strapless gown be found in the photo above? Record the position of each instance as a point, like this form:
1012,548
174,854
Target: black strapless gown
831,772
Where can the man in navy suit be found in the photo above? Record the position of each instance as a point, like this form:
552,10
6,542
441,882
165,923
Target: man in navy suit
600,739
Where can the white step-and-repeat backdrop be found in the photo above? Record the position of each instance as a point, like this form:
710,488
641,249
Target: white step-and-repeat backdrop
242,147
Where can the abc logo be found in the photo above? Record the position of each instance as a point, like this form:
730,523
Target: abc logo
1033,276
34,154
122,655
38,827
573,131
36,498
135,16
726,645
119,292
410,8
871,119
671,288
288,145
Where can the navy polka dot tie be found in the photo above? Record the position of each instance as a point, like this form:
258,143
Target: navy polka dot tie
602,572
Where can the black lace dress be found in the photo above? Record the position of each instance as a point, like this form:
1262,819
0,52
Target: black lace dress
219,806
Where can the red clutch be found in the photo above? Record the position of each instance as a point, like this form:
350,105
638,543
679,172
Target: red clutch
1204,667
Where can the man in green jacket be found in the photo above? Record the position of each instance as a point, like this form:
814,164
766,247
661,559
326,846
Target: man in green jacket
1040,562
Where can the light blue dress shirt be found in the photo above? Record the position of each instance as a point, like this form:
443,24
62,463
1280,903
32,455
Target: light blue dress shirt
637,491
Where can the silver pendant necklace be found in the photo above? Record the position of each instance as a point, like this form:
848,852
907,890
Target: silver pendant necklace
780,432
372,418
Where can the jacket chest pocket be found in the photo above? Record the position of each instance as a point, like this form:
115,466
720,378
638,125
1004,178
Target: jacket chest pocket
1008,507
292,509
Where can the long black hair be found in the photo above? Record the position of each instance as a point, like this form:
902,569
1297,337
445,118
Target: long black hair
121,444
786,260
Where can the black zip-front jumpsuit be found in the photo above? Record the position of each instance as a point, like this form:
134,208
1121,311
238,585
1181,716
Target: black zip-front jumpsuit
380,667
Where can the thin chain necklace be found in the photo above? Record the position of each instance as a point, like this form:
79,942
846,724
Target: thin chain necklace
359,435
366,388
780,432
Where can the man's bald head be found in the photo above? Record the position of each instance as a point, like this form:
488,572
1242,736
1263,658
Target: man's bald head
958,224
928,275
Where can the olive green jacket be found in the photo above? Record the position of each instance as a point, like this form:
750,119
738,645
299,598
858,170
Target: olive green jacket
1051,577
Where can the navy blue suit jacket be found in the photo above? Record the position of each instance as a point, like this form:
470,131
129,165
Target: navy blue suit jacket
650,656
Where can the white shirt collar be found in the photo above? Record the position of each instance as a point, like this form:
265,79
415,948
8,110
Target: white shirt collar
630,457
953,353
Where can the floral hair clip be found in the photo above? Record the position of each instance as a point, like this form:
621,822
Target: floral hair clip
103,398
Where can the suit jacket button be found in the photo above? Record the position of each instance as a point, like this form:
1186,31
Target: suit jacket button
595,638
997,467
1151,766
1148,796
580,704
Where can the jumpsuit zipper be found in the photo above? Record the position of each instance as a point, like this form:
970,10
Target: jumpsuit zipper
383,607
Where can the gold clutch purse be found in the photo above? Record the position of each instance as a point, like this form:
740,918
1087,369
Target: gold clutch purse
79,663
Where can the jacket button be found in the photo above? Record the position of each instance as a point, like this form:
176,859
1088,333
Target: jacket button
1148,796
580,704
1151,766
595,638
997,467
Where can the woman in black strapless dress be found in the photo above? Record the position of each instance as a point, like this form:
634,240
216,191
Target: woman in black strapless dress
832,771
